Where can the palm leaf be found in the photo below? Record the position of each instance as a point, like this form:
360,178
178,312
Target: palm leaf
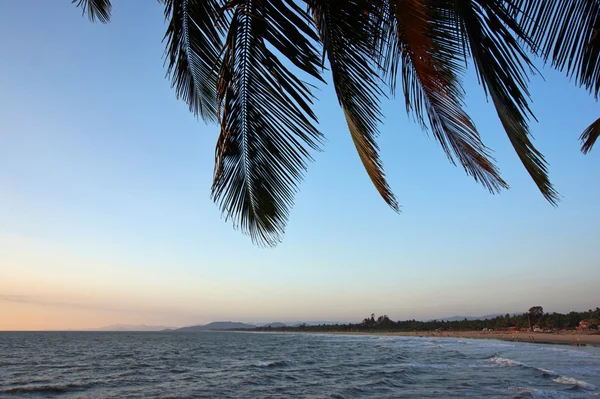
194,42
589,136
567,33
266,122
502,66
95,9
349,36
423,41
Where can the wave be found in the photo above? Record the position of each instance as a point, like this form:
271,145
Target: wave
546,372
455,354
41,389
141,365
559,379
385,382
126,373
386,338
430,366
76,366
179,371
276,363
30,381
573,382
504,362
533,393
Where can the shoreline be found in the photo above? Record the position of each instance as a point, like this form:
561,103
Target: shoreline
574,339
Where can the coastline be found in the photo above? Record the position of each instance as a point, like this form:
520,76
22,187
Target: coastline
574,339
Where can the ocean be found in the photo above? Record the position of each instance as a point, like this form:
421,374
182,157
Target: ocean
262,365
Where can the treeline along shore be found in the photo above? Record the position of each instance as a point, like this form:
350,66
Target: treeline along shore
573,328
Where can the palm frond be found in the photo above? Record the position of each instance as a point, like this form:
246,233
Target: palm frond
502,68
423,41
589,136
349,36
267,126
193,46
95,9
566,33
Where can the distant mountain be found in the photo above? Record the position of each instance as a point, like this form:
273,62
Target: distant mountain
130,327
459,318
215,326
274,325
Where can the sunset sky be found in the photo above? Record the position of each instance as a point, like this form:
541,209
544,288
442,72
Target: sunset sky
105,215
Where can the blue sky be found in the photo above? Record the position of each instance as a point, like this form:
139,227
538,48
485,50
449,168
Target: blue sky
106,216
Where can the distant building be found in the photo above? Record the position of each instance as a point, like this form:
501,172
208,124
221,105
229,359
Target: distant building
587,324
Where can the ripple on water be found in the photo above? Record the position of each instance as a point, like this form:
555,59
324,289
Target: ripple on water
227,365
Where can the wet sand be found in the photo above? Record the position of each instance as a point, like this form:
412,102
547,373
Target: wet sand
565,338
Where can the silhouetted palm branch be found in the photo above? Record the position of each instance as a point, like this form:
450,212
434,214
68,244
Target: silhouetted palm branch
567,33
589,136
502,67
95,9
423,41
194,42
238,62
266,120
350,52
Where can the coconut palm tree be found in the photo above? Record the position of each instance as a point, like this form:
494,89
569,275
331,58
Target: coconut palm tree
243,65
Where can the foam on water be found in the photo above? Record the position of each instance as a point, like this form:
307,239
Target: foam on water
574,382
275,363
504,362
544,372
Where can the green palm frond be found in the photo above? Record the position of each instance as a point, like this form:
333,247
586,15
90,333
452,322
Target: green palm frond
95,9
193,46
424,42
502,66
348,33
266,122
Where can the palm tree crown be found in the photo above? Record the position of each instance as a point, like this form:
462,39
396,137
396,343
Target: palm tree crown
242,64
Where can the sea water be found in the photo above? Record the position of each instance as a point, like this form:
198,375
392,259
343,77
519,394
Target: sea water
263,365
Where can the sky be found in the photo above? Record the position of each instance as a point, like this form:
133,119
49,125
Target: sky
106,216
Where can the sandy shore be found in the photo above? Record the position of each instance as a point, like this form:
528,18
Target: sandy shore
569,338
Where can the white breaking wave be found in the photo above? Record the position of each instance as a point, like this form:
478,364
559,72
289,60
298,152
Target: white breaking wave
504,362
547,372
277,363
574,382
432,344
512,363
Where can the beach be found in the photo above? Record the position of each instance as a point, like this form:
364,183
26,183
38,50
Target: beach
563,338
